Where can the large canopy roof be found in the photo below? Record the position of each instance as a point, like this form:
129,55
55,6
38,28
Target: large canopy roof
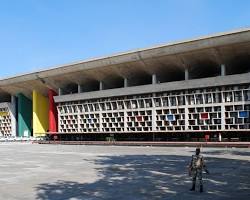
169,61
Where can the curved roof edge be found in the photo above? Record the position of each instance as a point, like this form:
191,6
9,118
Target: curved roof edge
66,68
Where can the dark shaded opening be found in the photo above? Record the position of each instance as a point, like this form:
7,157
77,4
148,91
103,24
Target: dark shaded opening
70,89
169,76
238,65
90,86
114,82
204,70
140,79
5,98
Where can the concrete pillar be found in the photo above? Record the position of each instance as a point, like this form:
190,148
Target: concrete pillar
154,79
186,118
220,138
125,82
223,117
100,85
13,99
154,124
125,121
223,69
13,110
186,74
100,121
60,92
79,88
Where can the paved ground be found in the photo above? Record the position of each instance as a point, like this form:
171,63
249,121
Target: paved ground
56,172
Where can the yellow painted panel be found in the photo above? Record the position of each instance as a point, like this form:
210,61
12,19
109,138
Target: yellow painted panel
3,113
40,114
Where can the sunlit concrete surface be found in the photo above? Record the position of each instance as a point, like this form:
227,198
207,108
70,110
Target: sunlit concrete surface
32,171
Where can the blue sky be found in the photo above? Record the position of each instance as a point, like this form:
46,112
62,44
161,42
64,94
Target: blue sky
38,34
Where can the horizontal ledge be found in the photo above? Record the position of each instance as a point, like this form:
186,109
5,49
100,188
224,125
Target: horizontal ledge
162,87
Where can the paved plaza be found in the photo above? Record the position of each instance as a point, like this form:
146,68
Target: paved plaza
58,172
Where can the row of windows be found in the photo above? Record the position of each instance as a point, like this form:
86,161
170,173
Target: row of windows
163,101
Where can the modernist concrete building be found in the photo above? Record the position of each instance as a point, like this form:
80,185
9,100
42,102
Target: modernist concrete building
184,89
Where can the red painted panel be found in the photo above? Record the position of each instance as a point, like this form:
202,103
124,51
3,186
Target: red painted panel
204,115
52,112
139,118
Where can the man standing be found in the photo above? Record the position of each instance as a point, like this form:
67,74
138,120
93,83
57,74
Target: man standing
196,166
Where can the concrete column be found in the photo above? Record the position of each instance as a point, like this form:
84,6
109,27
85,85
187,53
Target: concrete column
220,138
125,121
223,69
154,79
79,88
186,118
125,82
154,125
59,91
79,122
223,117
186,74
13,116
13,99
100,121
100,85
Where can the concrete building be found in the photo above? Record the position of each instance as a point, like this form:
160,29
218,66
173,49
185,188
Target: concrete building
182,90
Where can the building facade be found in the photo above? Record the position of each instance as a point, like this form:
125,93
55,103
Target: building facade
181,90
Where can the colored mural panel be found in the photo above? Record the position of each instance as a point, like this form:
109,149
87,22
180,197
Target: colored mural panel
52,112
243,114
24,115
139,118
40,114
204,116
170,117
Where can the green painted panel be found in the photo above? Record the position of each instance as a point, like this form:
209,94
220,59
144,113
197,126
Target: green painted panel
24,115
